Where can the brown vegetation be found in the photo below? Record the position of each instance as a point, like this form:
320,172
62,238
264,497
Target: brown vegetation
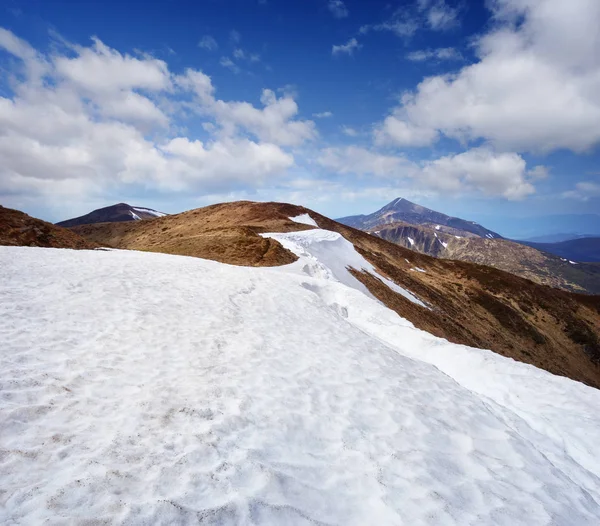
19,229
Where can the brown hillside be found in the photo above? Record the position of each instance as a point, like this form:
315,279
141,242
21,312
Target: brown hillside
522,260
471,304
227,232
19,229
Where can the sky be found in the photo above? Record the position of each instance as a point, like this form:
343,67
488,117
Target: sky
483,110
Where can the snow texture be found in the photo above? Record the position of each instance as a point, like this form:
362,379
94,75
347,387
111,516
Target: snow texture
305,219
149,389
135,216
329,254
411,241
150,211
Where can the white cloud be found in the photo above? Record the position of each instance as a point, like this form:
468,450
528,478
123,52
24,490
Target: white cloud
583,191
396,131
443,53
322,115
349,131
360,161
407,20
235,36
440,16
535,85
348,48
338,8
88,128
208,42
477,170
240,54
226,62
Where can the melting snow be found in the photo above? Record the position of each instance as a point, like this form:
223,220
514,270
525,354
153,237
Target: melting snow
305,219
329,255
149,211
573,262
135,216
140,388
411,241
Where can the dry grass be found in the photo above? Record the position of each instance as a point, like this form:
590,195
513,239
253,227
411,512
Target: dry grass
19,229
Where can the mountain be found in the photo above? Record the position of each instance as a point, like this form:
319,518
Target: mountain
19,229
401,210
517,227
465,303
554,238
145,388
515,257
582,249
112,214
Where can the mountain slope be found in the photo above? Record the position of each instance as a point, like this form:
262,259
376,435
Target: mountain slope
114,213
469,304
401,210
510,256
19,229
583,249
171,390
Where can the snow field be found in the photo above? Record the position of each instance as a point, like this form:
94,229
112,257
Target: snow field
140,388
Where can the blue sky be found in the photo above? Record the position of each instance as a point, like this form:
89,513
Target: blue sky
480,110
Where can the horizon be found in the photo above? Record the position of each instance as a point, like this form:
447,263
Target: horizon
332,105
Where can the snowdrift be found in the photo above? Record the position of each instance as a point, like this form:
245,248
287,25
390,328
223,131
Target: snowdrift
140,388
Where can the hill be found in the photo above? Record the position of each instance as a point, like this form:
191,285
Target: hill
466,303
401,210
19,229
115,213
514,257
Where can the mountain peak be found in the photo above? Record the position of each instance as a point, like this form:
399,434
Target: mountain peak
402,210
113,214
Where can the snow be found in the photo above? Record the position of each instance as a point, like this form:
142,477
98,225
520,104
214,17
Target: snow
135,216
329,255
411,241
305,219
445,245
490,236
150,211
418,269
437,227
573,262
140,388
458,237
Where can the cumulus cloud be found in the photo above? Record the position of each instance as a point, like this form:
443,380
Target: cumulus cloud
534,87
102,119
338,8
476,170
347,48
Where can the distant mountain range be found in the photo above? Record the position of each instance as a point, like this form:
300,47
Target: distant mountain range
113,214
582,249
435,234
401,210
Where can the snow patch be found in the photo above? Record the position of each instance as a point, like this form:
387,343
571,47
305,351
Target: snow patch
135,216
573,262
329,255
305,219
150,211
437,227
411,241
